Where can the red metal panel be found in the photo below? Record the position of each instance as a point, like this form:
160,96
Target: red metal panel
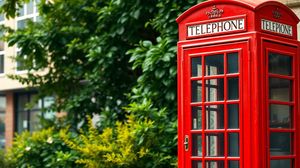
253,43
242,48
291,51
297,90
180,110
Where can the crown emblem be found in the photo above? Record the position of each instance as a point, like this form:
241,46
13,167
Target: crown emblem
215,12
276,13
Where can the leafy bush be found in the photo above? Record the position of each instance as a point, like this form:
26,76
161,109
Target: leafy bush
138,142
144,140
4,163
41,149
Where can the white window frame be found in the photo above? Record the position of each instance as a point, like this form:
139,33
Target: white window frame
26,16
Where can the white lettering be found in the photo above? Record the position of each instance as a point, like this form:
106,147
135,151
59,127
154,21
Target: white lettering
216,27
276,27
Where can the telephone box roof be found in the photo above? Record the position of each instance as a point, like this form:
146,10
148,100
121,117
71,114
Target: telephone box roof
250,4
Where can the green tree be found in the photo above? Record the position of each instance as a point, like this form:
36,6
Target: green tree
82,45
101,56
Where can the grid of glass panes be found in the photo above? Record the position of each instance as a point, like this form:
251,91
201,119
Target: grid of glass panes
29,11
281,110
29,118
215,111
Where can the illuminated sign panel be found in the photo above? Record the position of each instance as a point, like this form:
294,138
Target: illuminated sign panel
276,27
216,27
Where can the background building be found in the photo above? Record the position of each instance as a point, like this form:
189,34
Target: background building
14,115
295,6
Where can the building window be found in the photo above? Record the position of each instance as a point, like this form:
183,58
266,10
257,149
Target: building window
28,118
1,63
20,62
1,42
1,55
28,12
1,15
2,121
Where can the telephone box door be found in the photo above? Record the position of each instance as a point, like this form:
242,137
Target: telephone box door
213,107
281,104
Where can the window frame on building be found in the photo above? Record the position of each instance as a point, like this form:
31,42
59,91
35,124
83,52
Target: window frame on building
24,17
28,117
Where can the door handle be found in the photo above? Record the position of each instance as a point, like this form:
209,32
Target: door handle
186,143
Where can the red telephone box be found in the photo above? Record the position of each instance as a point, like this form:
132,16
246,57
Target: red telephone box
238,86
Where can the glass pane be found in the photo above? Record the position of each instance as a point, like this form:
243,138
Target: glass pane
22,101
2,121
36,106
214,90
21,11
234,164
215,164
48,101
30,8
36,4
280,143
21,24
34,121
215,117
38,19
215,144
1,45
1,42
281,163
233,116
197,164
20,66
1,17
280,116
2,103
197,91
280,89
233,88
280,64
233,144
196,67
196,118
197,145
22,121
1,63
233,63
2,129
214,65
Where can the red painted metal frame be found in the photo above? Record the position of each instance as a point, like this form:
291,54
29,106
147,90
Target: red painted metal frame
241,47
290,51
253,44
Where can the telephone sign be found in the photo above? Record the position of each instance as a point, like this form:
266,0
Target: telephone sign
276,27
216,27
238,85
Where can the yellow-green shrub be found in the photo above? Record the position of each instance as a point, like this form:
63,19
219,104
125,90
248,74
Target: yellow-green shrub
144,140
114,147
